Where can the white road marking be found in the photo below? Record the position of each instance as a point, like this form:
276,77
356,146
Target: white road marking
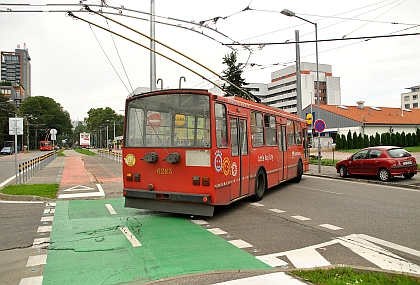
41,242
267,279
301,218
307,258
240,243
44,229
257,204
217,231
50,204
49,211
277,211
101,193
7,181
378,256
361,244
79,188
47,219
331,227
21,202
37,260
199,222
110,209
131,238
37,280
319,190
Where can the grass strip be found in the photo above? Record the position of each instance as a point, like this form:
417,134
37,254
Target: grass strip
349,276
41,190
84,151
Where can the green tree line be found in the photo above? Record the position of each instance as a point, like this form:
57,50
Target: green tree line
357,141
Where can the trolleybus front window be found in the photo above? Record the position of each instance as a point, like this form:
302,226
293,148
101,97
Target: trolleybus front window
174,120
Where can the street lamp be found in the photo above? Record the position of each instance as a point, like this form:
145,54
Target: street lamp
292,14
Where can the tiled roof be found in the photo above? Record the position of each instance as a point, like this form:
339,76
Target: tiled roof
376,115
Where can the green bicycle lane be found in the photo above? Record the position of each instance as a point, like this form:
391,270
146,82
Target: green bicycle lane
88,246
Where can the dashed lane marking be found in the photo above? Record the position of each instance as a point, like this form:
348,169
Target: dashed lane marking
110,209
37,260
331,227
240,243
131,238
217,231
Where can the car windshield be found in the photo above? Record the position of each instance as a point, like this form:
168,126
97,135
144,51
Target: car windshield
398,152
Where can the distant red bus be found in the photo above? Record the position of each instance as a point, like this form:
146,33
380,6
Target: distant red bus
45,145
187,150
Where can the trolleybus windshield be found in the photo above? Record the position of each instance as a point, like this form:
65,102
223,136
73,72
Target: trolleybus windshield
168,120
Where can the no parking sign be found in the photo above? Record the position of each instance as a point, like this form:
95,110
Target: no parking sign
320,125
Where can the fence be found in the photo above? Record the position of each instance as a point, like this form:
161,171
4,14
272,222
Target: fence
116,156
31,167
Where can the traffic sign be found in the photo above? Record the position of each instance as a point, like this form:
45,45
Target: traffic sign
309,118
320,125
155,120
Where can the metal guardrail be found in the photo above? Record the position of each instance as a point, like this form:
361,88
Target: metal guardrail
116,156
30,168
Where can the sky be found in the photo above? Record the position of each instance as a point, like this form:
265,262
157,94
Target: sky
81,66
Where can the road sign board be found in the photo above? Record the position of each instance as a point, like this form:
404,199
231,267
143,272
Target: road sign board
320,125
155,120
15,126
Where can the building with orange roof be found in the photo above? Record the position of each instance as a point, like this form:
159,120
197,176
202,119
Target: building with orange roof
363,119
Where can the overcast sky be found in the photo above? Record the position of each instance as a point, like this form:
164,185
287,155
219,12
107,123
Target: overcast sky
70,59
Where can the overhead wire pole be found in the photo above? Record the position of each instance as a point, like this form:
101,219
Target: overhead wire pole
292,14
152,47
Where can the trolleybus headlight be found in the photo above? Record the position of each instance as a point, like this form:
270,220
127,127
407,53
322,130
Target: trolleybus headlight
206,180
129,176
196,180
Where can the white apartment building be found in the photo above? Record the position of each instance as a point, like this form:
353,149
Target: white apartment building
411,99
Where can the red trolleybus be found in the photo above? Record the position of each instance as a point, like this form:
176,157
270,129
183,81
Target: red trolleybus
187,150
45,145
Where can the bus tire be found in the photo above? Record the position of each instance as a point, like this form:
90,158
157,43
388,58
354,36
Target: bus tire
260,185
299,173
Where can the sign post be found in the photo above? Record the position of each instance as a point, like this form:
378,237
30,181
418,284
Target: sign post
16,128
319,127
53,133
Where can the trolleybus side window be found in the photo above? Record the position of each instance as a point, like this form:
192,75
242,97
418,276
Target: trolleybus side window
135,125
298,133
244,136
270,130
221,129
257,128
290,129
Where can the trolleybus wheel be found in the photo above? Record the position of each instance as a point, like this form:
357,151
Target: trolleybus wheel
299,173
260,185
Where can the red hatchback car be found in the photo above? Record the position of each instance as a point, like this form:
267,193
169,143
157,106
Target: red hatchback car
382,161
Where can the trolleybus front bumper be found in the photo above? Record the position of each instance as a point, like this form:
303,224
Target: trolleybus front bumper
192,204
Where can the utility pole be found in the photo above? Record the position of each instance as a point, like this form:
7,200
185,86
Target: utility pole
152,47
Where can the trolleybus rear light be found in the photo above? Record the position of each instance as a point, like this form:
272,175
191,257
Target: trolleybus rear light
196,180
205,199
137,177
206,180
129,176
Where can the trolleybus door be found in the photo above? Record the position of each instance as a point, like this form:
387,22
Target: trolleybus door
281,139
239,164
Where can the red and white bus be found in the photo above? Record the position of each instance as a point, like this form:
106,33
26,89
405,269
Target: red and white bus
45,145
188,150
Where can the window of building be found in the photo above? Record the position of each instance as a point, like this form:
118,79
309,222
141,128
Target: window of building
406,98
407,106
415,97
415,105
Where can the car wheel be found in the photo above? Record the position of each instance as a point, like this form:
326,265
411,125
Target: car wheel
384,174
408,175
343,171
260,185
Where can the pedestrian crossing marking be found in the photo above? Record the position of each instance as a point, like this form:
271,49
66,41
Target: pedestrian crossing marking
365,246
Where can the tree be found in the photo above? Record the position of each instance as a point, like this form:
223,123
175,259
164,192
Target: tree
371,140
403,139
43,114
338,143
233,74
398,139
345,144
393,139
100,120
349,141
415,140
365,141
377,140
384,139
355,140
361,140
409,139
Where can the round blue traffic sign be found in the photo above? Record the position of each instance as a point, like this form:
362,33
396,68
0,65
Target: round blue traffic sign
320,125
